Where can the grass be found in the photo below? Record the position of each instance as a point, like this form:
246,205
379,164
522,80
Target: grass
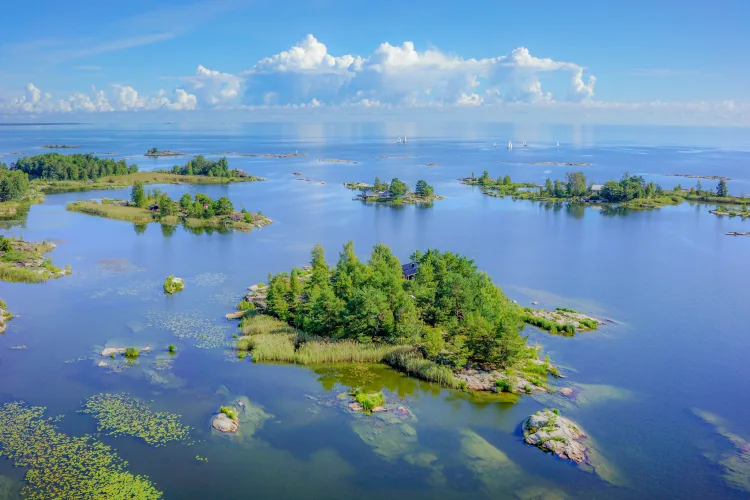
9,272
22,261
567,309
132,353
110,211
369,400
410,361
272,340
549,325
230,412
503,385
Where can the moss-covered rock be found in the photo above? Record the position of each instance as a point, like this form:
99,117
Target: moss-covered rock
173,285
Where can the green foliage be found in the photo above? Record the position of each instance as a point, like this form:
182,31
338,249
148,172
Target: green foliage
173,285
576,184
120,414
138,195
503,385
398,188
369,400
77,167
372,302
201,166
566,309
412,362
244,305
230,412
132,353
721,188
555,411
172,348
14,184
6,244
423,189
59,466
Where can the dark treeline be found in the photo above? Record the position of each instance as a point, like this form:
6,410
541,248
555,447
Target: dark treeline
452,310
201,166
200,206
75,167
13,184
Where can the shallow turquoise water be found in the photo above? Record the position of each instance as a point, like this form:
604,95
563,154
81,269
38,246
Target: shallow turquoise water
670,278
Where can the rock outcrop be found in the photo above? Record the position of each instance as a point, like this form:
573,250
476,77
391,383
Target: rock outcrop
223,423
549,431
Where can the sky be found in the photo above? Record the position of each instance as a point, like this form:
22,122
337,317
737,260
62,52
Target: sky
650,62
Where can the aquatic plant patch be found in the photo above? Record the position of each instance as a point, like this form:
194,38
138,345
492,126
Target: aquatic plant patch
120,414
64,467
190,325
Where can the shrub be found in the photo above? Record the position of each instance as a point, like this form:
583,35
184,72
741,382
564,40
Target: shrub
229,412
172,348
132,353
244,305
503,385
173,285
369,400
555,411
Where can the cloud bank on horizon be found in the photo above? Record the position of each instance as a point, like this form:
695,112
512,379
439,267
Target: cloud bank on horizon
393,76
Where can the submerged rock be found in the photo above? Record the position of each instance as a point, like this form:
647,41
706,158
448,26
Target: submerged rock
551,432
735,462
566,391
223,423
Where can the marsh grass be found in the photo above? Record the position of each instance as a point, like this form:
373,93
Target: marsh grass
132,353
60,466
272,340
10,272
410,361
110,211
369,400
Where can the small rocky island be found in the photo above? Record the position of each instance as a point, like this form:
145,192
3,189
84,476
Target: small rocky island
60,146
154,152
5,316
155,206
396,192
173,285
549,431
742,212
563,320
22,261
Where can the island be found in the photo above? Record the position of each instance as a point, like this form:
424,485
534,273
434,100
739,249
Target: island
397,192
60,146
722,210
631,191
57,173
154,152
22,261
155,206
437,318
335,160
693,176
16,193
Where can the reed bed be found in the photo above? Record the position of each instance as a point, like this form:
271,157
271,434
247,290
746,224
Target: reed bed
410,361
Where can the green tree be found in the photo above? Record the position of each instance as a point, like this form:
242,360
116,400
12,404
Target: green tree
186,201
320,271
549,188
507,181
223,206
721,188
138,195
560,191
423,189
398,188
576,184
485,179
277,298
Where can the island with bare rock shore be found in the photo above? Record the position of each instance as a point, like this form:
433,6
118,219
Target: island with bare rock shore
397,192
60,146
23,261
154,153
413,317
336,160
199,212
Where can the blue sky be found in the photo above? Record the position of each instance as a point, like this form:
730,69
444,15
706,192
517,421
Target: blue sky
637,58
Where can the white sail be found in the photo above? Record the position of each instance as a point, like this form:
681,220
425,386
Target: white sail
558,144
510,145
399,140
405,141
494,144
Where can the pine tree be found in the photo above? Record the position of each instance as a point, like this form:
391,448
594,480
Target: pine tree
721,189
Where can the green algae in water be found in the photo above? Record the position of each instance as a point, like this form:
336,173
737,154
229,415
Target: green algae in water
190,325
60,466
120,414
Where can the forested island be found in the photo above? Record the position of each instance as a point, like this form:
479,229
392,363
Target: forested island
155,206
55,172
395,192
437,318
630,191
60,146
22,261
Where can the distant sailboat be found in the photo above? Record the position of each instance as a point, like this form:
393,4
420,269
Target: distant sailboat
558,144
510,145
494,144
405,141
524,144
399,141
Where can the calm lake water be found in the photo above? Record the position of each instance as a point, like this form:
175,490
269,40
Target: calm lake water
670,278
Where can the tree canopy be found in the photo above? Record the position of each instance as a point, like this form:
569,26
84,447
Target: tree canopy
201,166
371,301
75,167
13,183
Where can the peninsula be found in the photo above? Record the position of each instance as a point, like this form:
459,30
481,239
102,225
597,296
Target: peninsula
22,261
154,206
56,173
437,318
397,192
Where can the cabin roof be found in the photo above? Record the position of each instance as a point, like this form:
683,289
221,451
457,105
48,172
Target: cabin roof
597,187
409,269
